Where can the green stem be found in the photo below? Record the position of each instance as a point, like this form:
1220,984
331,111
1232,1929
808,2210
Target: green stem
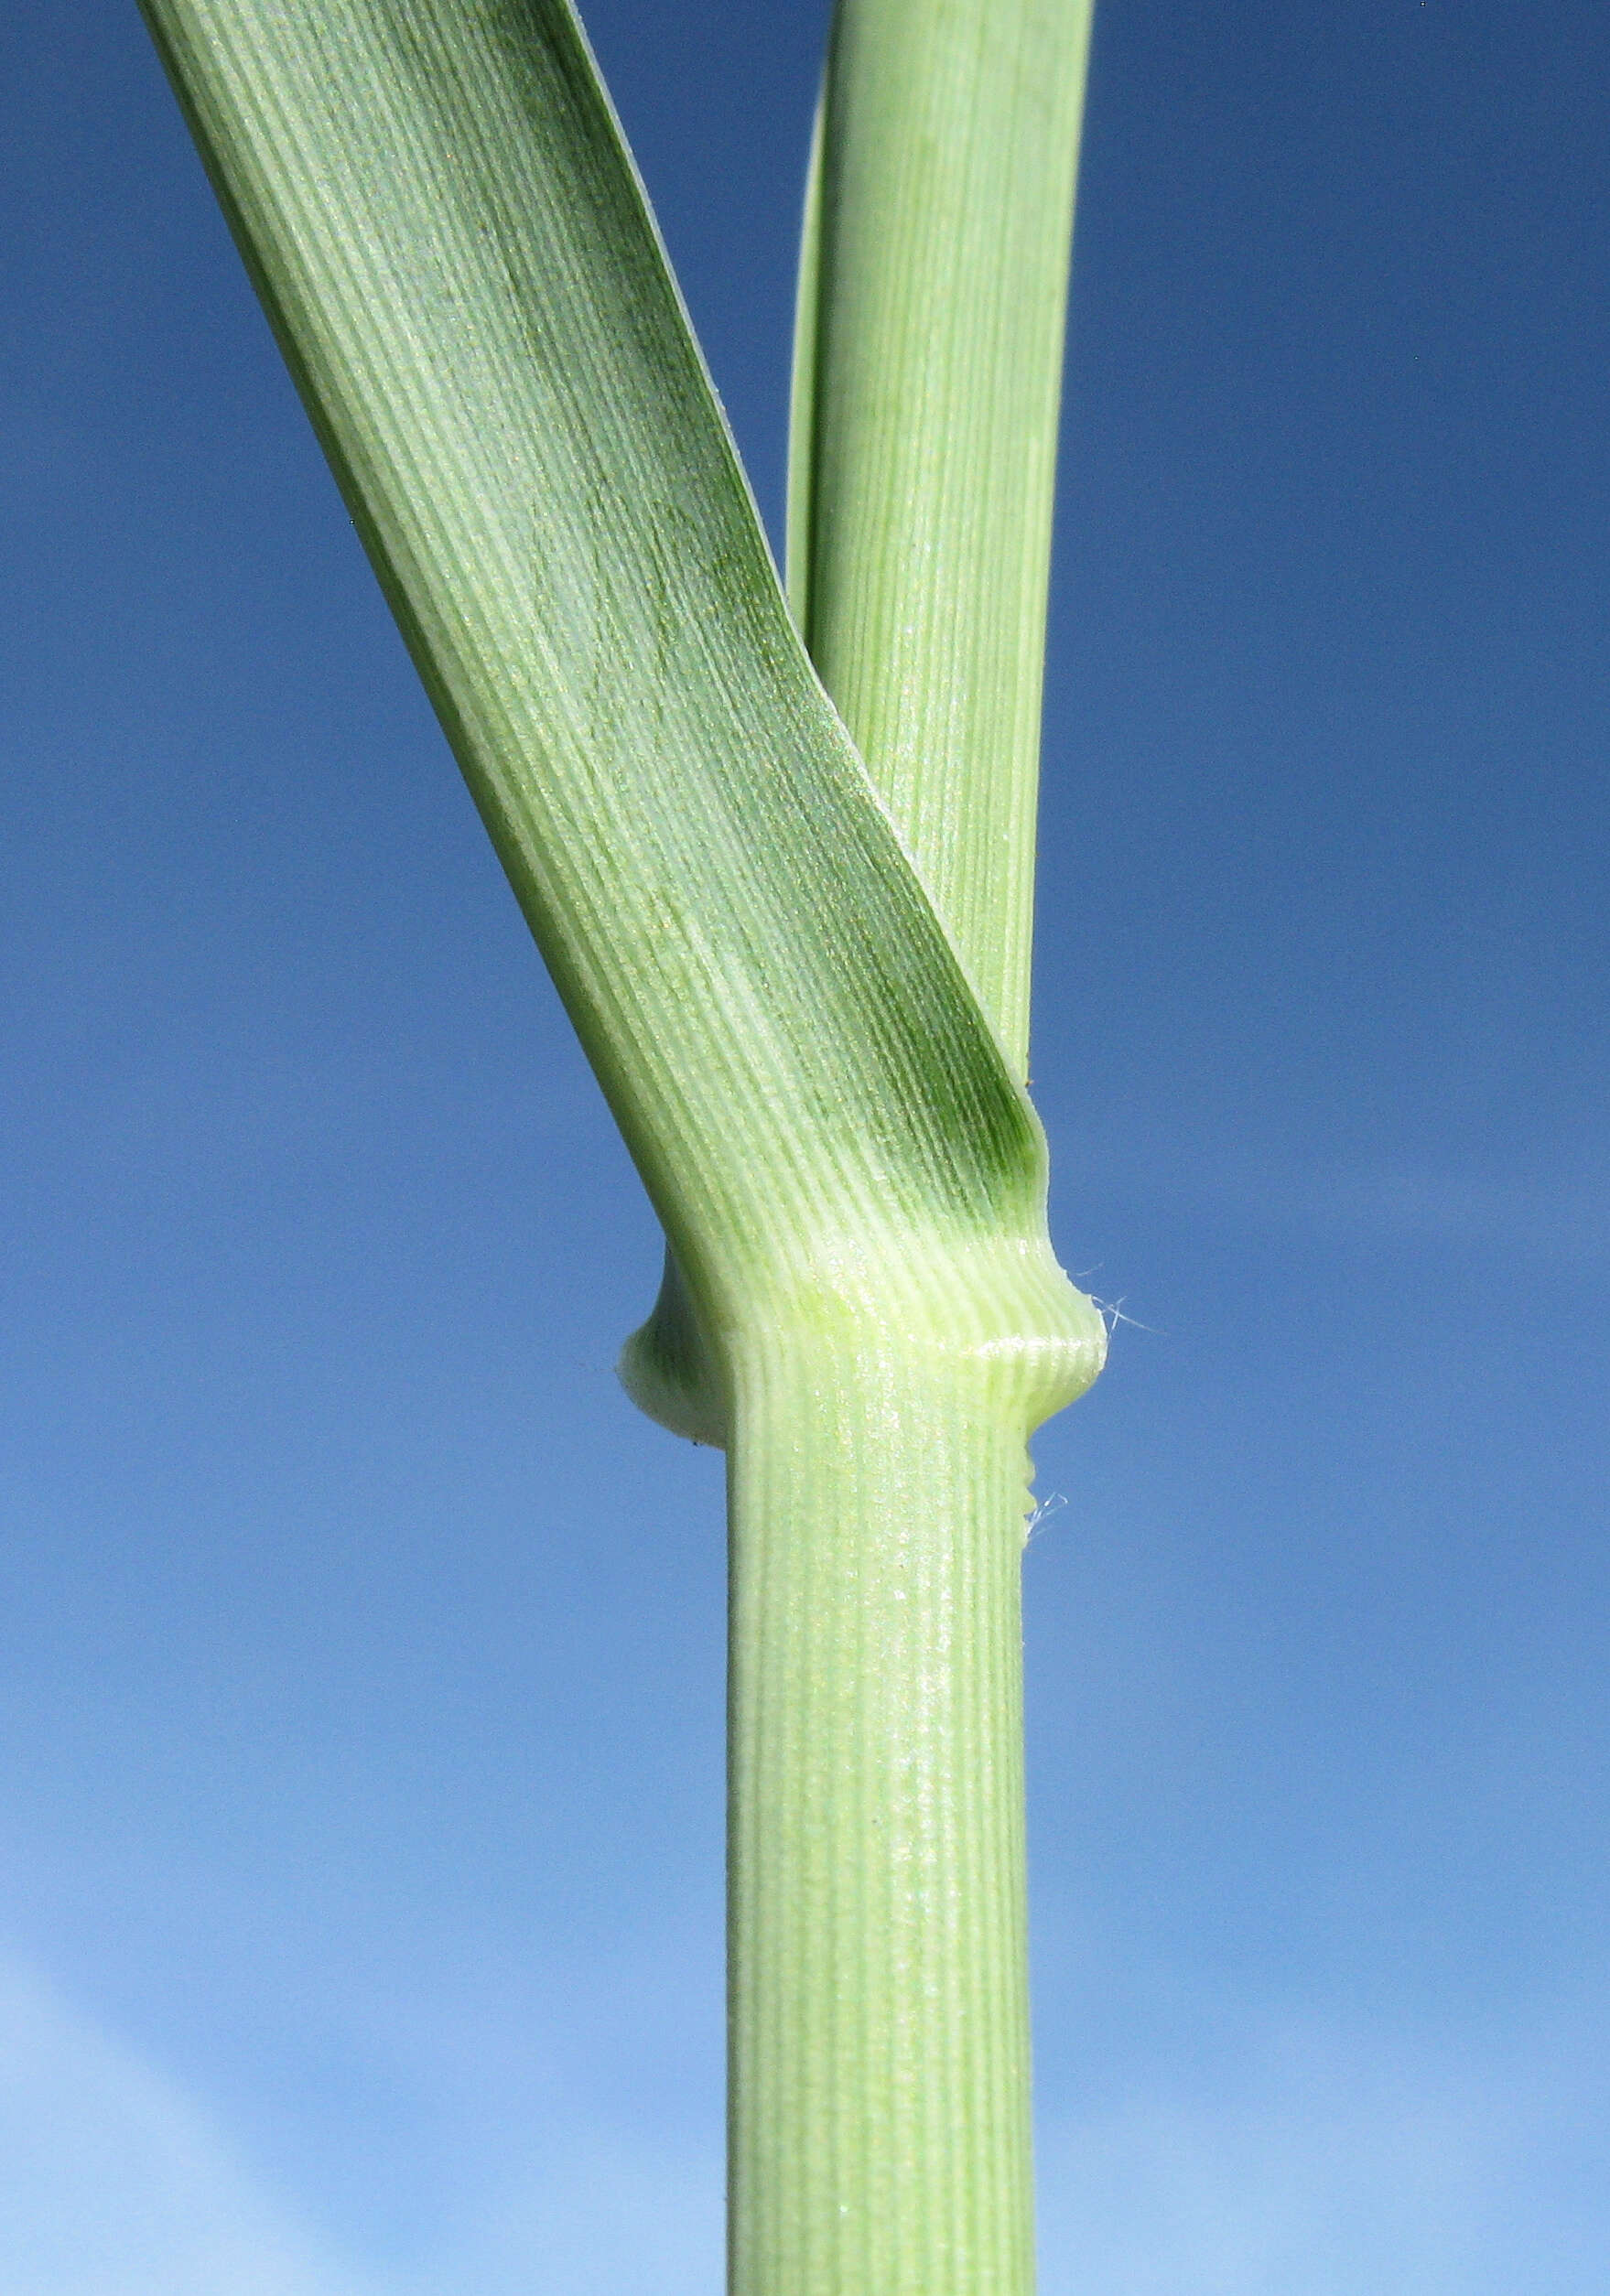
879,2114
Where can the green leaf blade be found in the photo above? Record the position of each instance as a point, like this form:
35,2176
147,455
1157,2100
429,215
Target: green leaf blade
457,254
927,379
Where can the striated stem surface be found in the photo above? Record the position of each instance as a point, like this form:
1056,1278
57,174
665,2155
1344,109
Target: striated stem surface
879,2098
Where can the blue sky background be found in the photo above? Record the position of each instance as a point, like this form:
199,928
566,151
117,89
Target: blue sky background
361,1651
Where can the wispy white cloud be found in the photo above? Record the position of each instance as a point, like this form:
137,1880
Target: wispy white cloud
1326,2166
113,2182
1312,2165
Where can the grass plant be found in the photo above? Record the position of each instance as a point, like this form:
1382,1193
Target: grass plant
792,932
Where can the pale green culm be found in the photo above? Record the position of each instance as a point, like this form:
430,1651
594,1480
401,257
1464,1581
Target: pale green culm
797,956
